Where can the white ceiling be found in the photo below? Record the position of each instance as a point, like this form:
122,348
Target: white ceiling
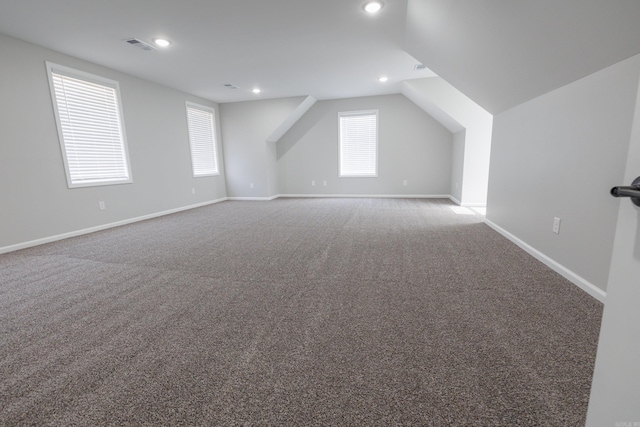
325,49
501,53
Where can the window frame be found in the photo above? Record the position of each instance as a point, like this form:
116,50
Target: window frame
342,114
214,133
102,81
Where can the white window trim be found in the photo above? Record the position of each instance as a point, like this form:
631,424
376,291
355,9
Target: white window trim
358,113
71,72
193,105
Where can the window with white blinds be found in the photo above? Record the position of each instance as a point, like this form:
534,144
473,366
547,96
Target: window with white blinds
359,143
202,138
90,127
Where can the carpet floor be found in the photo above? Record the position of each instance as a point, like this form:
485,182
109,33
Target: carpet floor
294,312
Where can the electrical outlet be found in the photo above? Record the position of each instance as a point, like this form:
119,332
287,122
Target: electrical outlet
251,185
313,183
324,183
404,182
556,225
193,191
102,205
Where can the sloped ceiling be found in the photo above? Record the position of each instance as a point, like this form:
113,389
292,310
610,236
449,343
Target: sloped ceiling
501,53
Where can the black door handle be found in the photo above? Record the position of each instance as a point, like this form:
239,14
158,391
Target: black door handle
632,191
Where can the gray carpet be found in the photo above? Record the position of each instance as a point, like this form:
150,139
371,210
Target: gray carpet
350,312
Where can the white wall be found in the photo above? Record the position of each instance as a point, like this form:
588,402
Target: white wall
35,201
435,94
457,165
615,395
558,155
249,158
412,146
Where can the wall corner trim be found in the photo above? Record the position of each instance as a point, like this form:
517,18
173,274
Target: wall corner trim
577,280
42,241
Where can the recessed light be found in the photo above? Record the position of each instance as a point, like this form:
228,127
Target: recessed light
256,90
373,6
162,42
383,79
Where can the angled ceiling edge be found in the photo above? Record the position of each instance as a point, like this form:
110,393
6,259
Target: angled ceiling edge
425,103
291,119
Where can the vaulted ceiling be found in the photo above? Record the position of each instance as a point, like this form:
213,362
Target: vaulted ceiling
501,53
498,52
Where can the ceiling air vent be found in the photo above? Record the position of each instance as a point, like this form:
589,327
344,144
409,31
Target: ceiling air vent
230,86
419,67
139,43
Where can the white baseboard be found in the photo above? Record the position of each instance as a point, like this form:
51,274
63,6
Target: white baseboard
259,199
370,196
467,205
63,236
574,278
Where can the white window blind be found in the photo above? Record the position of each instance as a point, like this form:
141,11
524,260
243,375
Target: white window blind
90,127
359,144
202,138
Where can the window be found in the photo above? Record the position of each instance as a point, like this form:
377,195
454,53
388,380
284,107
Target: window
359,143
90,127
202,138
